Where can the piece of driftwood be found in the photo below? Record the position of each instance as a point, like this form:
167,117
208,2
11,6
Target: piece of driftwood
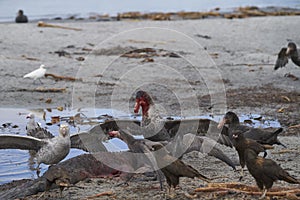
30,58
67,78
224,188
58,90
283,151
43,24
107,193
294,126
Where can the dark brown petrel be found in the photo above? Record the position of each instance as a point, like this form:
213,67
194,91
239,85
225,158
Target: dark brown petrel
286,53
266,171
174,168
260,135
241,143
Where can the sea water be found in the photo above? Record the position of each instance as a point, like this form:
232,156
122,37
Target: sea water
49,9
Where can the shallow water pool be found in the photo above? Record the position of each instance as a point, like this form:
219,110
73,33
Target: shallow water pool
15,163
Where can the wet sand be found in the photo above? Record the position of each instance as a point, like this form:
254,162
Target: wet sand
222,65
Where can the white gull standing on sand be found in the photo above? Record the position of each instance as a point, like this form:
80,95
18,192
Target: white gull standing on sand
36,74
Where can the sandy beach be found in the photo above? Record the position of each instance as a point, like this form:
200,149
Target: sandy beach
190,67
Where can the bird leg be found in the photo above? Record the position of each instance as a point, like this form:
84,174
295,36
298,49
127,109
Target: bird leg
43,193
34,81
265,154
171,192
38,170
264,194
242,174
127,178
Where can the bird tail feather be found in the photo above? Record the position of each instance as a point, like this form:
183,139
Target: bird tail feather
217,153
195,173
278,131
288,178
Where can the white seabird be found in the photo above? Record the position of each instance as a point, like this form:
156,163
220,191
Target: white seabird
51,149
31,124
36,74
86,141
48,151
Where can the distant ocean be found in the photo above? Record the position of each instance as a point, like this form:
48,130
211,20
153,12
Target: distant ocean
49,9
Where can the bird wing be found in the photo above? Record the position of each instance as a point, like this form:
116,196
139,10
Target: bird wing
264,136
275,172
194,125
271,169
206,145
282,59
151,160
89,141
115,125
20,142
40,133
37,72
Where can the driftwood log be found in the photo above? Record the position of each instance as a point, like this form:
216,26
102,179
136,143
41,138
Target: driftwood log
234,187
43,24
67,78
42,90
107,193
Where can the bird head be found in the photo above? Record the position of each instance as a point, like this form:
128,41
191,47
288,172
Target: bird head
30,116
291,48
20,12
237,134
42,66
144,100
64,130
229,118
114,134
157,146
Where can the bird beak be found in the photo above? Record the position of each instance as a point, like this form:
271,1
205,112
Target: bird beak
221,123
28,117
288,51
64,132
113,134
235,136
137,106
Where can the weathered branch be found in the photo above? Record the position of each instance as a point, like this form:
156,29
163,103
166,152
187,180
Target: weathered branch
283,151
224,188
107,193
294,126
41,90
68,78
43,24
